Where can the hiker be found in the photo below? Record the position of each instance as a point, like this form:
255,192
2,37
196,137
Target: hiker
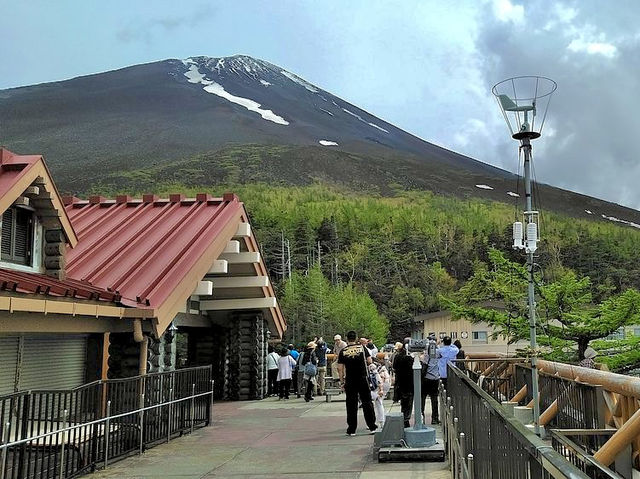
396,347
377,393
286,363
588,361
308,364
272,372
446,353
461,355
338,345
403,367
373,349
321,354
354,380
430,378
295,355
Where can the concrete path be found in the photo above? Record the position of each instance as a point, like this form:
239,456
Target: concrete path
271,439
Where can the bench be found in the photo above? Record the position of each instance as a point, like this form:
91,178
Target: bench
330,392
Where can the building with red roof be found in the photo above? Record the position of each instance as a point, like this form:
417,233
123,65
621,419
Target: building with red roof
125,286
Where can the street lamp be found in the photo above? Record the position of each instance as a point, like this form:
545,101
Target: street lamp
521,99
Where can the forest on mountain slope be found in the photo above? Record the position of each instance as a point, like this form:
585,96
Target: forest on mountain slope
374,262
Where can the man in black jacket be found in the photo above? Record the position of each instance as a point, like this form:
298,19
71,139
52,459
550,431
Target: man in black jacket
354,379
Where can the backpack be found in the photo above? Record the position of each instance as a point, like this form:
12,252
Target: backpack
373,381
310,369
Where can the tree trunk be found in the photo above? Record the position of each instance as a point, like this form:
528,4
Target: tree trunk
583,344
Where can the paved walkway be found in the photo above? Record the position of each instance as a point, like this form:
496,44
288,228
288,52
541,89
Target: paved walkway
271,439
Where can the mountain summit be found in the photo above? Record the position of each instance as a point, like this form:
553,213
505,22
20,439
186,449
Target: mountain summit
203,121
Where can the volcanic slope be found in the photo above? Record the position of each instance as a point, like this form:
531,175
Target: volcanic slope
205,121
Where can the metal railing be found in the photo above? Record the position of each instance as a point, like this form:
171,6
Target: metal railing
483,442
578,446
63,434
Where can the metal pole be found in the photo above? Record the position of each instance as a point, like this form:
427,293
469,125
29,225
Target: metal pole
470,466
5,441
526,146
169,414
211,405
454,440
417,391
193,393
64,436
107,432
141,422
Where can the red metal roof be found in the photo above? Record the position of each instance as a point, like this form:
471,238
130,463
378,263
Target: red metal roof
143,249
35,283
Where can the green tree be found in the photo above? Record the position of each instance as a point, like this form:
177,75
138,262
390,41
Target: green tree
565,308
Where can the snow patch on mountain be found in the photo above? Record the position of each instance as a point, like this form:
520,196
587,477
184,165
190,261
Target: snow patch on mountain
194,76
618,220
363,120
326,111
299,81
589,212
327,143
265,83
511,193
484,187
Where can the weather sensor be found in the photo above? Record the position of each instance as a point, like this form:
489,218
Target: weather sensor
520,100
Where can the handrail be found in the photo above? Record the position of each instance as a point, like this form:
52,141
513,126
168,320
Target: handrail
550,460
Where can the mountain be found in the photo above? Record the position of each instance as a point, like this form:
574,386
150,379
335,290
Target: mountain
206,121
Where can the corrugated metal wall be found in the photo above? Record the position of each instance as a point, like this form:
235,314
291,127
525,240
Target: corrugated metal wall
8,363
53,362
48,362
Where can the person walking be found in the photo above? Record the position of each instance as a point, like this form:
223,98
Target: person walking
354,359
295,355
321,354
272,372
430,379
446,353
461,355
403,367
286,363
308,364
338,345
377,393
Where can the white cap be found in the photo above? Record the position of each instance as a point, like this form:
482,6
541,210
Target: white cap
337,337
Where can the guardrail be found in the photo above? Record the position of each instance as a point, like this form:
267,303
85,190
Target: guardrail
483,442
63,434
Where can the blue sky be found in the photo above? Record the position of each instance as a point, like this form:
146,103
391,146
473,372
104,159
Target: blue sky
425,66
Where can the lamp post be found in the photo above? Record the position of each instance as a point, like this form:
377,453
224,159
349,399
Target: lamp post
520,99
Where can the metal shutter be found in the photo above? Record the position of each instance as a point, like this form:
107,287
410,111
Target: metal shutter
53,362
8,363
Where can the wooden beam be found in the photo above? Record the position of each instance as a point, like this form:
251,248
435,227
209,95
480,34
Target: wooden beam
520,395
204,288
241,258
229,304
244,230
233,246
621,439
240,282
219,266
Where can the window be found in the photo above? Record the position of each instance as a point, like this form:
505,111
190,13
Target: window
17,235
479,337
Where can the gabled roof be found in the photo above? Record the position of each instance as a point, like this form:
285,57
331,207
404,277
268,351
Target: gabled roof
151,252
18,172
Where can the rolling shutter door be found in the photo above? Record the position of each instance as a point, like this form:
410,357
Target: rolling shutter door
8,363
53,362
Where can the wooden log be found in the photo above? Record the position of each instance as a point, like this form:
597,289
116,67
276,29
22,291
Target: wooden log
54,262
607,454
54,249
520,395
54,236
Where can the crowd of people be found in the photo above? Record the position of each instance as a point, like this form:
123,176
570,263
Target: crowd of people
364,375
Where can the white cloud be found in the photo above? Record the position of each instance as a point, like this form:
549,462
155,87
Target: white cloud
593,48
505,11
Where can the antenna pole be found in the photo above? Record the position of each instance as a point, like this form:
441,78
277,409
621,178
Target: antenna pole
526,147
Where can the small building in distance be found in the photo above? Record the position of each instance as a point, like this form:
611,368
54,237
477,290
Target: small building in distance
475,337
112,288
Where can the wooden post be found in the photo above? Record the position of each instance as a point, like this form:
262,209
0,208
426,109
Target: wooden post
621,439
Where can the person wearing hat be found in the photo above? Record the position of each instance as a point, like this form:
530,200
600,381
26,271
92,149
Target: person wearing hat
588,361
338,345
308,365
321,354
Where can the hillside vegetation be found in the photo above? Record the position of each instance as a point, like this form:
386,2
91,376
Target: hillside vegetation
404,251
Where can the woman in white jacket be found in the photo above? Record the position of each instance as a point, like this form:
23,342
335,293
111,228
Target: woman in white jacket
377,394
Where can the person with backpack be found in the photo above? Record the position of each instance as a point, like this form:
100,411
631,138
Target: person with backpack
308,364
321,354
430,378
377,393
